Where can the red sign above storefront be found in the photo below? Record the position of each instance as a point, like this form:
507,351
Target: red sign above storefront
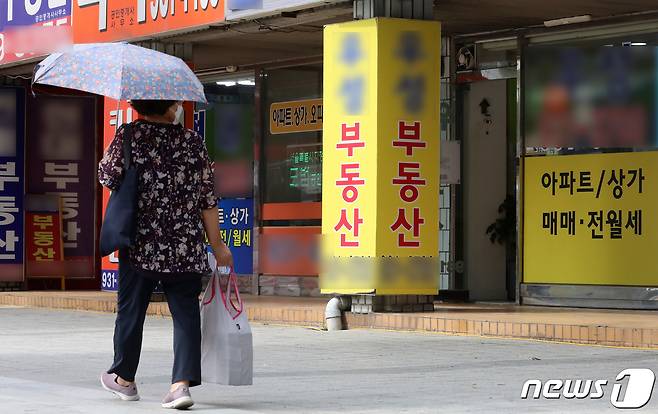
107,21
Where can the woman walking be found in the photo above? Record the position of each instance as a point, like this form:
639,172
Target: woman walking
177,208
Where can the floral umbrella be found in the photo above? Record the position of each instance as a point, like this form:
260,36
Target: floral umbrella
121,71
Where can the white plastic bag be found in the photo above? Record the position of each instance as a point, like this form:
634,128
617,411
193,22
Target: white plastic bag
226,343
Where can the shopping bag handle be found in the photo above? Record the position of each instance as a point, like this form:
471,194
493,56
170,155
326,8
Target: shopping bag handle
214,282
213,285
232,280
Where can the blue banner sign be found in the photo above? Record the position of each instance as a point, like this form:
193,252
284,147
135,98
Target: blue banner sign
30,12
12,179
236,223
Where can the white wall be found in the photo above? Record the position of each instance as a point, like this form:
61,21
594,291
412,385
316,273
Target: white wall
485,167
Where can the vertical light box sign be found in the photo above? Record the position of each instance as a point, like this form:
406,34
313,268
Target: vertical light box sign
12,183
381,157
61,155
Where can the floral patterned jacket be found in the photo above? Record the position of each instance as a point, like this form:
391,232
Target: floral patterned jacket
175,184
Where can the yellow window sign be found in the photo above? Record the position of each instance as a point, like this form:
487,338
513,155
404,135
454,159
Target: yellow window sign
296,116
591,219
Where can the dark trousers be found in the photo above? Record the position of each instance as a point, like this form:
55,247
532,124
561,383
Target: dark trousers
182,292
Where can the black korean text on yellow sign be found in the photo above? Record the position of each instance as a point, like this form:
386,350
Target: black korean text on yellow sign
296,116
591,219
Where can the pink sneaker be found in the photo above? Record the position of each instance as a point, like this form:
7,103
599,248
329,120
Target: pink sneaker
109,382
179,399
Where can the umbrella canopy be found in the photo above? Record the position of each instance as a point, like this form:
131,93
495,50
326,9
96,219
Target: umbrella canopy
121,71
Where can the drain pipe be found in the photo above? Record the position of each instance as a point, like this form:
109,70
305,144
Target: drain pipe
333,313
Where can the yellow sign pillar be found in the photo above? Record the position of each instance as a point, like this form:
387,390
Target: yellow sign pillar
380,223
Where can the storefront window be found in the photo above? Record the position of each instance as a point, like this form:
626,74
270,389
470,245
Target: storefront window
227,123
590,97
293,135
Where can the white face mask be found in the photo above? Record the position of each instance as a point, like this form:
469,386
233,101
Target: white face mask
180,113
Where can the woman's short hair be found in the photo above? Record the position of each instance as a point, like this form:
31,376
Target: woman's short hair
151,107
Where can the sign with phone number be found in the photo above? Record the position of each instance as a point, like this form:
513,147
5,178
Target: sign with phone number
109,280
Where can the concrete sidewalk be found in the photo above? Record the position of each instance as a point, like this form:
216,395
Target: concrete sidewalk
50,361
638,329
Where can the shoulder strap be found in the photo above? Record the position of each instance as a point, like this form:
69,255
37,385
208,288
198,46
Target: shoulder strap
127,145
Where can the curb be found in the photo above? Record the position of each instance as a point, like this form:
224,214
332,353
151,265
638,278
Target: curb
313,316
